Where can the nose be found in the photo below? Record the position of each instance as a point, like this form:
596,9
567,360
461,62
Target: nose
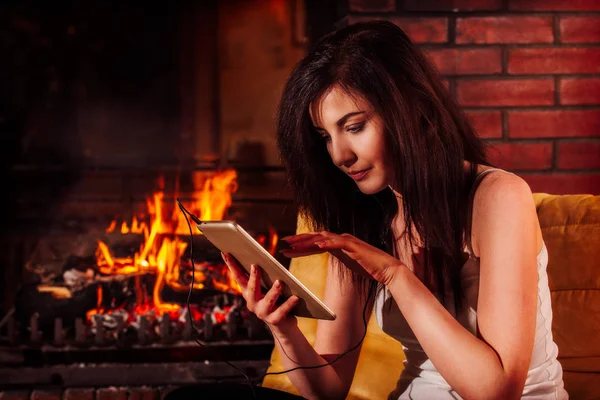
341,152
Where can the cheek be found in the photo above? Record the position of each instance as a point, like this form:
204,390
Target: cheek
377,149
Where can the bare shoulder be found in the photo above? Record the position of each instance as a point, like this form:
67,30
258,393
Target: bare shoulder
504,190
501,198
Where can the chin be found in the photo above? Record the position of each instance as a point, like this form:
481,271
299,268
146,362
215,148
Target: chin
371,187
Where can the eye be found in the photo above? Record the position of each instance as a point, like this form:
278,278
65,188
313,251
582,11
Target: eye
355,128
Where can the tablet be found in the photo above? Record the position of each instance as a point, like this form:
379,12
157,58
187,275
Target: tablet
231,238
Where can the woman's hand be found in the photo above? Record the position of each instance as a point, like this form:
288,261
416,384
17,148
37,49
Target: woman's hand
357,255
265,306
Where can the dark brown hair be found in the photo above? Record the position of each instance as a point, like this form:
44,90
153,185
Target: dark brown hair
427,135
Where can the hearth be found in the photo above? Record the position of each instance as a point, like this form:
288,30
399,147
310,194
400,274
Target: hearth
106,125
111,309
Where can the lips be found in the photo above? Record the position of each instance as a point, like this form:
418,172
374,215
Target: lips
359,175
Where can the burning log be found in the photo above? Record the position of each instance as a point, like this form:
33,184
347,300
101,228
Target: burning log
134,288
208,326
254,326
235,320
187,326
99,328
142,330
165,324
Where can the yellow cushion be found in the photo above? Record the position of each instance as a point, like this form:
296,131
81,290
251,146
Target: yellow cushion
381,356
571,229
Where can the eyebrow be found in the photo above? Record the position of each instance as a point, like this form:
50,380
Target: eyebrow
340,122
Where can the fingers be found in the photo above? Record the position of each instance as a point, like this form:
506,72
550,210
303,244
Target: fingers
252,293
316,243
239,273
305,239
265,308
343,242
283,310
267,304
304,245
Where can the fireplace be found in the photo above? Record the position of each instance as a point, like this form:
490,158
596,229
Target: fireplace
121,120
108,307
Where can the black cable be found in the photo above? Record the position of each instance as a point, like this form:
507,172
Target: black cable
191,317
330,362
186,213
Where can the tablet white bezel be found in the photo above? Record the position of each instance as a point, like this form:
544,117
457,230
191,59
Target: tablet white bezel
214,235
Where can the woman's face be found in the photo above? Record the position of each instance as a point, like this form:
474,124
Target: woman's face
354,136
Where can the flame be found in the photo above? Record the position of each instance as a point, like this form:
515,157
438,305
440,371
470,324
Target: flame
99,309
165,238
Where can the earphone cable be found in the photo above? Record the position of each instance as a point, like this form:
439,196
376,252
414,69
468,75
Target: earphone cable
189,215
189,296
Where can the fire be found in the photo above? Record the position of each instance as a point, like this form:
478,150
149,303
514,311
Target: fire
165,240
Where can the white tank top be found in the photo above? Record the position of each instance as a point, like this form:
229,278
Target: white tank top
421,380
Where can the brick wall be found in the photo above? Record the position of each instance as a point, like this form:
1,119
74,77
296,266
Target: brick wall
527,73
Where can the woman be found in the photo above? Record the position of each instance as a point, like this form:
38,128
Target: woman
446,250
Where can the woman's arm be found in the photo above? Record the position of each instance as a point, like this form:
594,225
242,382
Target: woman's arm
507,236
332,339
505,230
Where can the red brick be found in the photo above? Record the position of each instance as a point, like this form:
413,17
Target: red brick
144,393
78,394
521,156
554,61
554,5
563,123
579,155
487,30
487,124
15,395
580,29
419,30
452,5
467,61
580,91
564,183
505,92
46,395
372,5
111,393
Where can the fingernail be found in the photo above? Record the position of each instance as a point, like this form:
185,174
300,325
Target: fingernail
277,284
320,243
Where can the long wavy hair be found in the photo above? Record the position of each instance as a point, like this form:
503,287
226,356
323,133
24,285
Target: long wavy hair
427,135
